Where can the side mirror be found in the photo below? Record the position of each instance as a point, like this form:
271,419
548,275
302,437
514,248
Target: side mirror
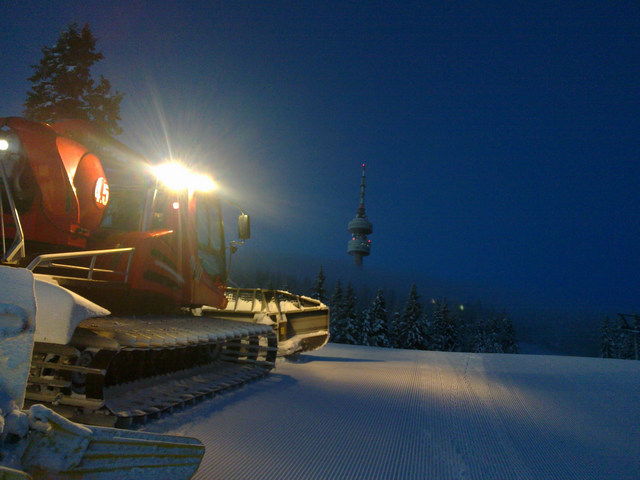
244,227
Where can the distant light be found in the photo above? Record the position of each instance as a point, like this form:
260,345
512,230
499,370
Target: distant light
461,307
178,177
4,145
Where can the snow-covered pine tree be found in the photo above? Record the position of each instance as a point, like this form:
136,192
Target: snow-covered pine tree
634,337
486,341
408,325
487,338
374,323
62,86
337,324
365,329
318,291
353,320
441,334
607,340
507,334
623,337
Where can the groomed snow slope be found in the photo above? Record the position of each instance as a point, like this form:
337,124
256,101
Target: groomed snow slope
347,412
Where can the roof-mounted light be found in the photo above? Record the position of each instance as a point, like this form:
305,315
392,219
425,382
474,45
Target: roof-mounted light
178,177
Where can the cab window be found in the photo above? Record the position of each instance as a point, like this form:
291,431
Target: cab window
210,237
124,211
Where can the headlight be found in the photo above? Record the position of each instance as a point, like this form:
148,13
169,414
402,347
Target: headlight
9,142
178,177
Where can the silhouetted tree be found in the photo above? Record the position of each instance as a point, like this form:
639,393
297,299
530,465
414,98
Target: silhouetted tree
338,317
441,334
620,339
608,340
318,291
62,86
408,325
506,334
374,323
353,321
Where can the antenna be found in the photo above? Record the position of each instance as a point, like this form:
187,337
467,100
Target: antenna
359,246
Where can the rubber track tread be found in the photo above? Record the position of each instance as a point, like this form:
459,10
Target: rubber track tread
134,346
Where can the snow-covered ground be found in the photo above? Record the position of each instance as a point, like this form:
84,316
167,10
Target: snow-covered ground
362,412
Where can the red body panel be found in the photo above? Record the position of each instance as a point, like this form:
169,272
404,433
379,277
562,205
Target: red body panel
46,200
69,193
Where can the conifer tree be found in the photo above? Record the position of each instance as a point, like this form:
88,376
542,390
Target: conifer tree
486,339
607,340
364,335
353,322
338,317
318,291
374,323
62,86
620,340
507,334
408,325
442,334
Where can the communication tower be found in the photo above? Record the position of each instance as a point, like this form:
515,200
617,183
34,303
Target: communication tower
359,246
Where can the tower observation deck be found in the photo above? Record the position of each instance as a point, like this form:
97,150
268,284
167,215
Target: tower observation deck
359,246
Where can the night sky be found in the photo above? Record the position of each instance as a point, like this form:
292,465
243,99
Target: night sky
501,138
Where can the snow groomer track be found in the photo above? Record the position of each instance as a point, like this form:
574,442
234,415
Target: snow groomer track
125,370
348,412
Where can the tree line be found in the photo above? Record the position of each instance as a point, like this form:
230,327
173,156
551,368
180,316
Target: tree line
437,326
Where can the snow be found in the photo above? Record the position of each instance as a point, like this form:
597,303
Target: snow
17,324
62,310
365,412
62,444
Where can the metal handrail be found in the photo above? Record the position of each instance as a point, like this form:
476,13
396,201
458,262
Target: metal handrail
46,260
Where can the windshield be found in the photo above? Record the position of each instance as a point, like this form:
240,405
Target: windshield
125,208
210,236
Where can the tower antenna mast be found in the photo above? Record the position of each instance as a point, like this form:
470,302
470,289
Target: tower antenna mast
360,246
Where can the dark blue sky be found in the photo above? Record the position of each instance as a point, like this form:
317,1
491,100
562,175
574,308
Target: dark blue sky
501,138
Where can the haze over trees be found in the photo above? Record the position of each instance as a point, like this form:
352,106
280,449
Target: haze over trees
63,88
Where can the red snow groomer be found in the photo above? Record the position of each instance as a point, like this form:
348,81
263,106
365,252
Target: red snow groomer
131,268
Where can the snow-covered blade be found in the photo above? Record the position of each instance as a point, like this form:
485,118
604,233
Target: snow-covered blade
54,447
69,450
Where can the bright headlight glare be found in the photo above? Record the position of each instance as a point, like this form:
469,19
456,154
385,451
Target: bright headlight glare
4,144
203,183
178,177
